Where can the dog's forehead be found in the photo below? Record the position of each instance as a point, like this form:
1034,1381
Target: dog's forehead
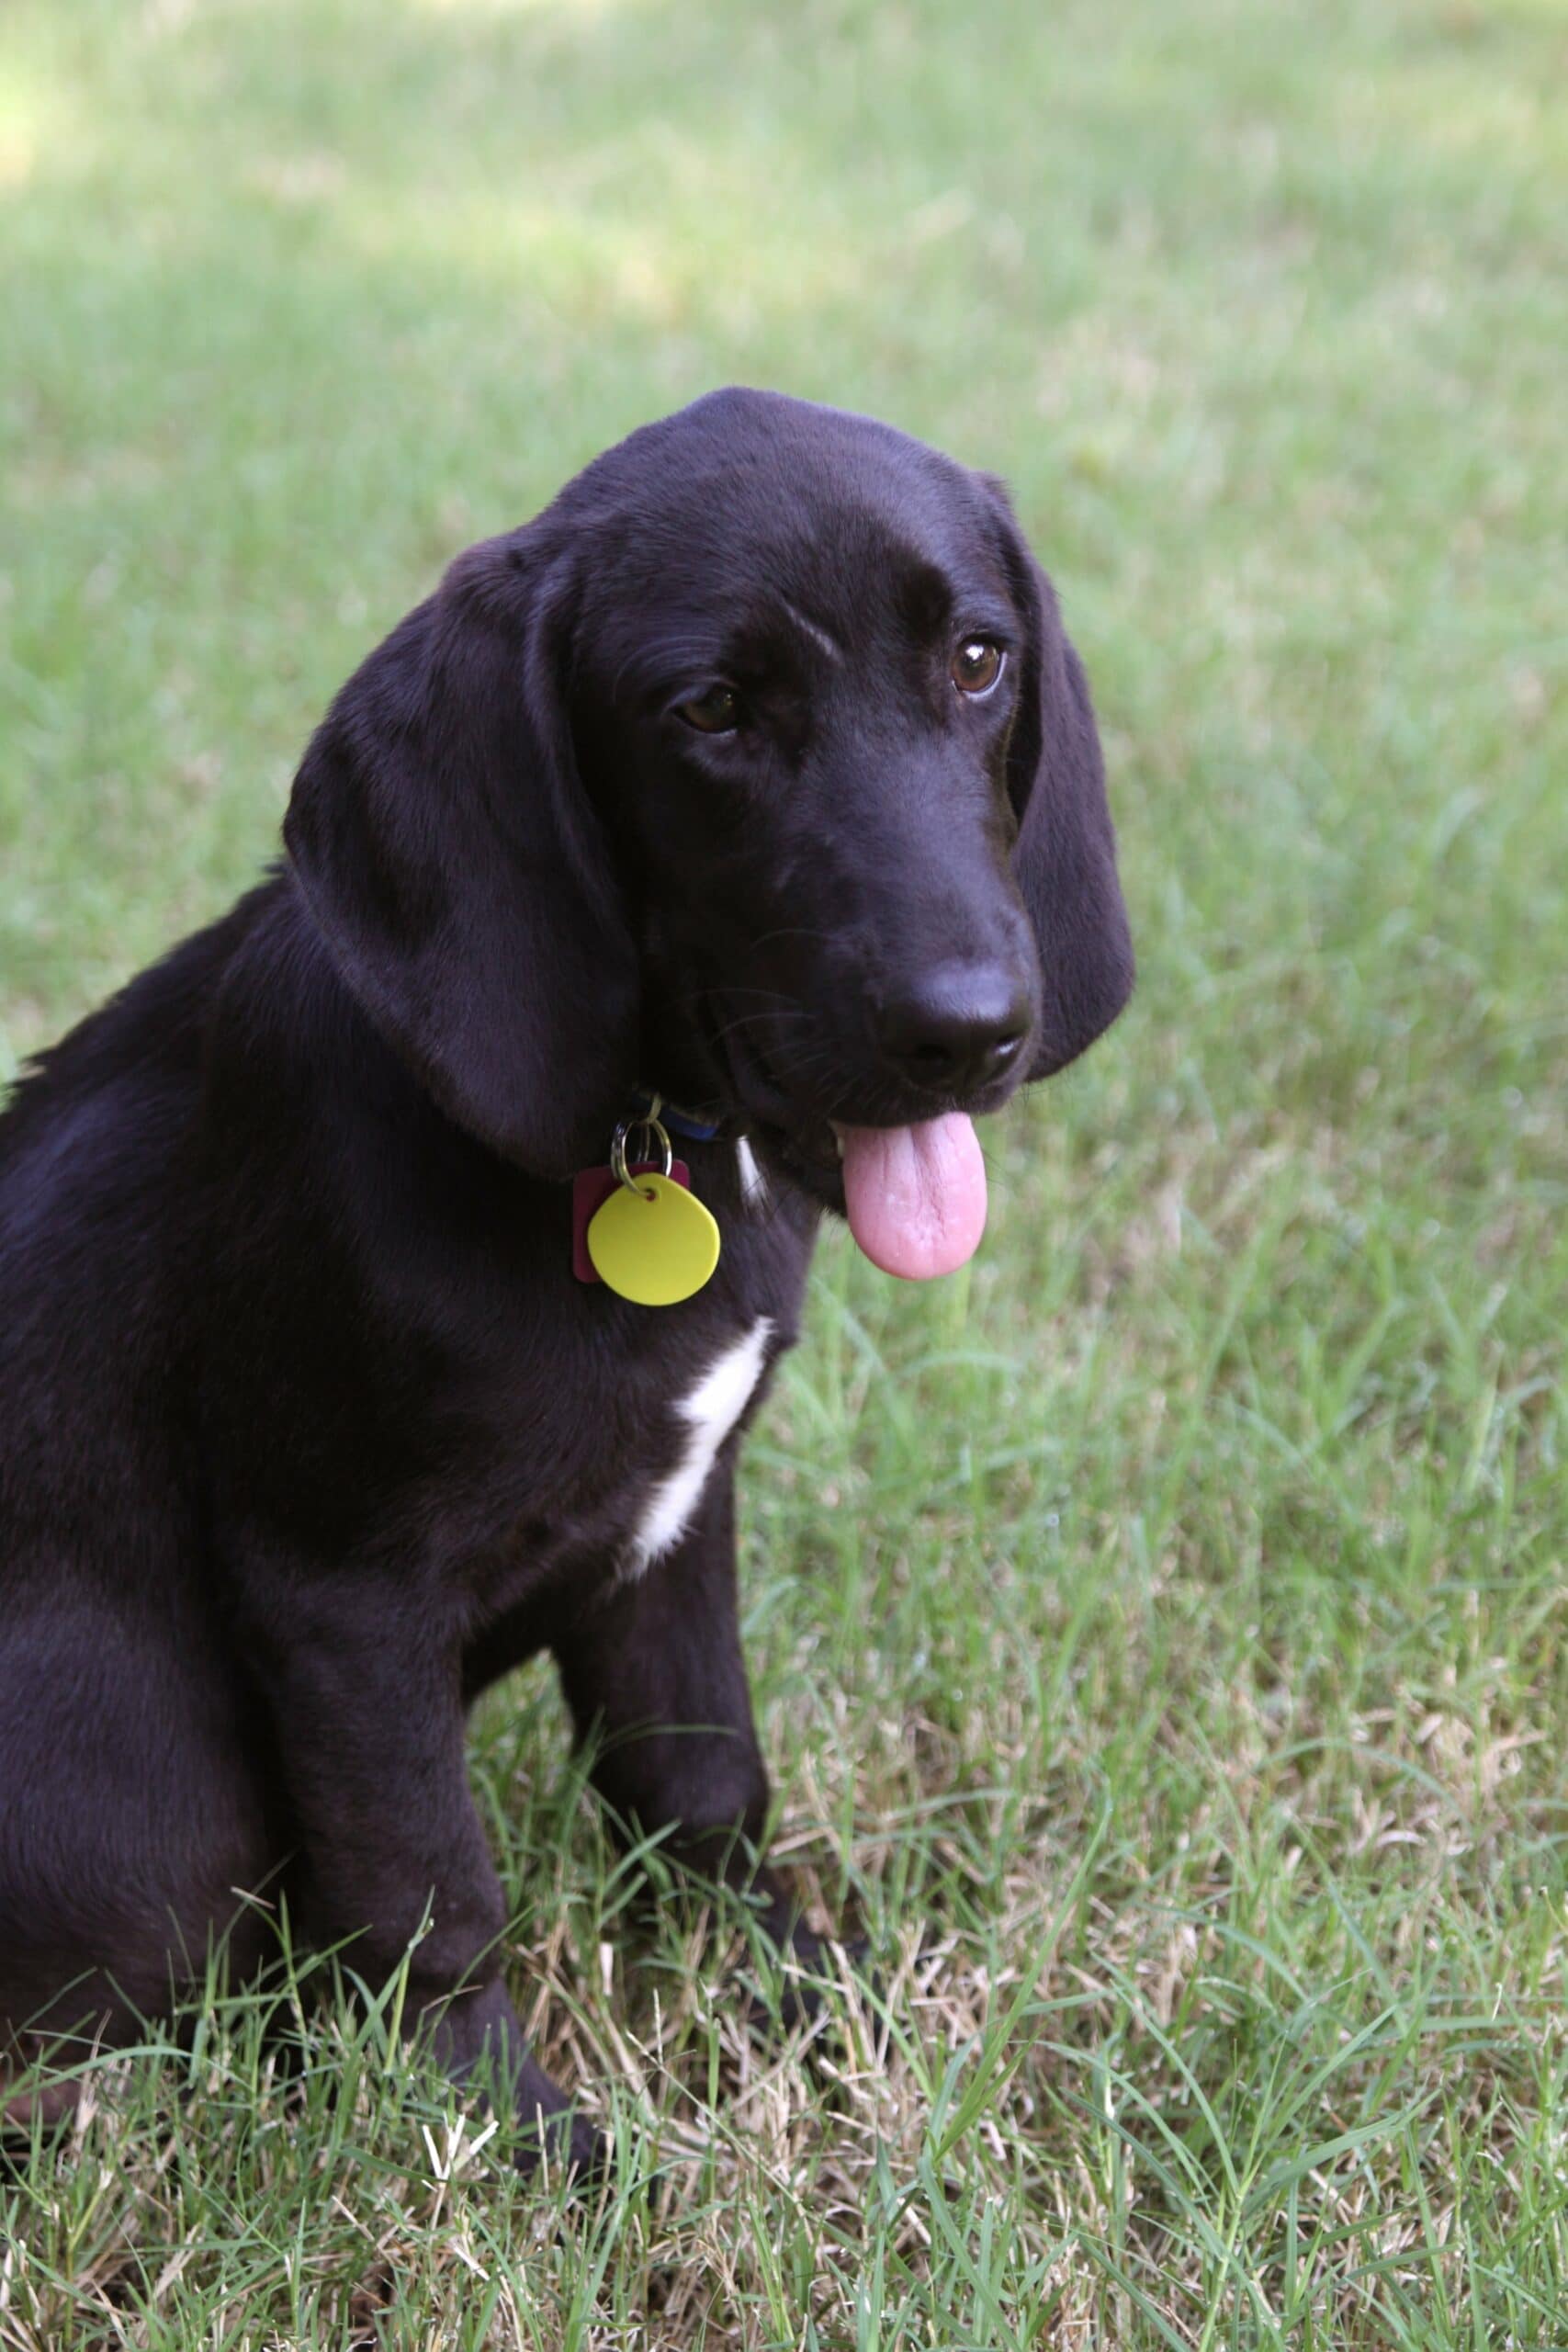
750,508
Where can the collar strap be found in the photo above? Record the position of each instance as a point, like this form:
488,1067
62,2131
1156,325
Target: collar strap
679,1122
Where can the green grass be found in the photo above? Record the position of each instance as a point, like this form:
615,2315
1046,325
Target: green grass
1159,1631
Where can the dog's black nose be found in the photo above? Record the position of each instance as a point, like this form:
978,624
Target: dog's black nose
954,1028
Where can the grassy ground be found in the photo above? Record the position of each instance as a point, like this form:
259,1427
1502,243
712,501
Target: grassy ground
1165,1622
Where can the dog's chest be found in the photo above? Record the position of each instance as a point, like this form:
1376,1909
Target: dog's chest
622,1474
660,1503
607,1447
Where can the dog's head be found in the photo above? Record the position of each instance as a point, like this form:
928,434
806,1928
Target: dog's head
758,769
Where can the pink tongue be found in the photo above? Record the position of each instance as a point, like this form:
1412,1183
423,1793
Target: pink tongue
916,1196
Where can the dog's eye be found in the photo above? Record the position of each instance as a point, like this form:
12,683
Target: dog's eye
976,665
714,712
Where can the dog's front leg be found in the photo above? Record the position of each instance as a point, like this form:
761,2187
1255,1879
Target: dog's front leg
656,1681
367,1710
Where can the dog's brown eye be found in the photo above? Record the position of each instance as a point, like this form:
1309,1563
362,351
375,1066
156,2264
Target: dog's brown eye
717,712
976,666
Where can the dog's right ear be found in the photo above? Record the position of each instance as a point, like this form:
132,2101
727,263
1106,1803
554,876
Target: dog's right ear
449,857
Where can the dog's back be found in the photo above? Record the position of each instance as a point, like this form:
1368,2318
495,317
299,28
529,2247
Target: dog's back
116,1709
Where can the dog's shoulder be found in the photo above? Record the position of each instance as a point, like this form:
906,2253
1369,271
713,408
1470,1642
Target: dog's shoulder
92,1140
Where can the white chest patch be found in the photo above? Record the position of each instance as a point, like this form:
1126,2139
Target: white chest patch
710,1412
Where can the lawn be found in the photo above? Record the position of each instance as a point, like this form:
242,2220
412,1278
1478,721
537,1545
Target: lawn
1159,1630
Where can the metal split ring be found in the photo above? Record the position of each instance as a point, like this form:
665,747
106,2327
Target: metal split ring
650,1125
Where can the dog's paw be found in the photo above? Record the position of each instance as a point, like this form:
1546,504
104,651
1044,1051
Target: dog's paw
552,2136
547,2148
797,1990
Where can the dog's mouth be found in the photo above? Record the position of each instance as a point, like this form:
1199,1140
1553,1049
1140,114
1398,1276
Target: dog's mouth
912,1190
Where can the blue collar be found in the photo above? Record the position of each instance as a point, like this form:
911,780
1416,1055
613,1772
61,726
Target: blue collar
679,1122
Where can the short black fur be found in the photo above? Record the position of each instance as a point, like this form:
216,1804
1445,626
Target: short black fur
307,1431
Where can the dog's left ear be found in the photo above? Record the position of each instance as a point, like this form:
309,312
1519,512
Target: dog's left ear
449,855
1064,859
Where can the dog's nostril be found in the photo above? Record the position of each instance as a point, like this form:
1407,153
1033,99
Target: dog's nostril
955,1028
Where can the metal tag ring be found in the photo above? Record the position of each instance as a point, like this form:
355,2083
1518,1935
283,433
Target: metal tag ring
654,1129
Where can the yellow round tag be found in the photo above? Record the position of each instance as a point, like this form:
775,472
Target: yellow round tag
656,1246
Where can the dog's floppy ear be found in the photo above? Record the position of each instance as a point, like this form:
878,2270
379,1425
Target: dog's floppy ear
1064,859
449,857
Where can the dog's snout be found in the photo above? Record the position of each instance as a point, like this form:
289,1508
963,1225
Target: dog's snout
953,1029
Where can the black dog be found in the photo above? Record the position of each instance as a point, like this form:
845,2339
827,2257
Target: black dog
758,770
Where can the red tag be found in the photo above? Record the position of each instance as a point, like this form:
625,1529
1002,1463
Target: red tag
592,1187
